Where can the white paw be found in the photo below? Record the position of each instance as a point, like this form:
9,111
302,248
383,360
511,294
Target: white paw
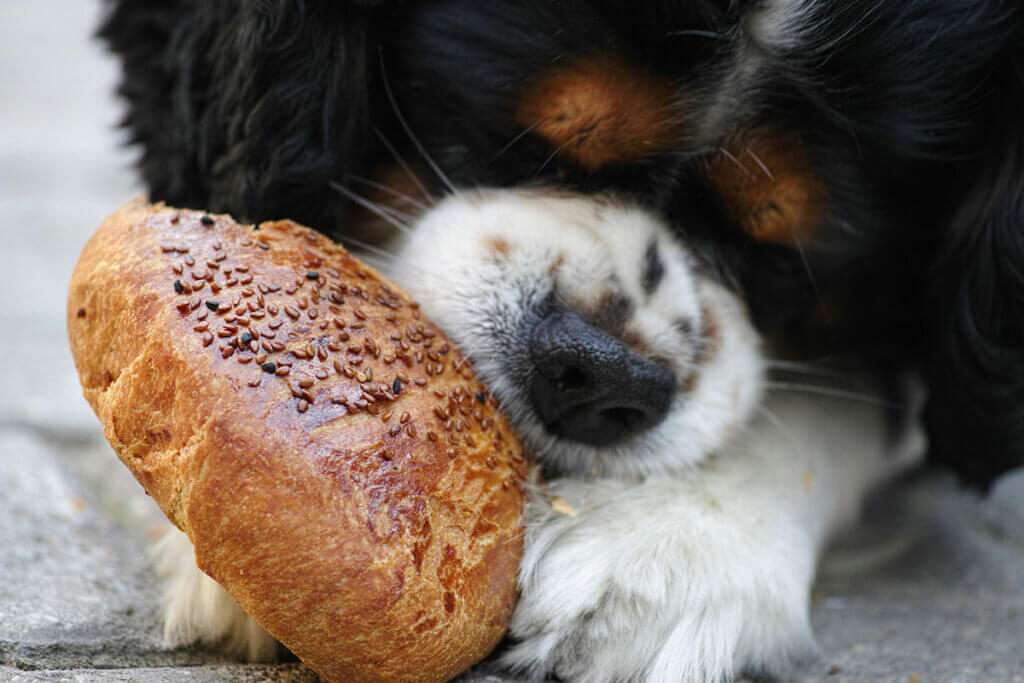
197,609
658,582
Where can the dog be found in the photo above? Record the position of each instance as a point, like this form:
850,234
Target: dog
718,260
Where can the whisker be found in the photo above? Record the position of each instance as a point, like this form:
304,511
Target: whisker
548,160
390,190
761,164
830,392
378,263
408,130
736,161
694,32
529,129
366,246
778,423
805,369
401,162
370,206
807,266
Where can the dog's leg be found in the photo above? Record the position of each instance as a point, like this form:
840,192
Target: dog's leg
197,609
704,575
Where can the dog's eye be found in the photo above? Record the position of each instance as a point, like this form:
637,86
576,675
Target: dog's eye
600,110
767,184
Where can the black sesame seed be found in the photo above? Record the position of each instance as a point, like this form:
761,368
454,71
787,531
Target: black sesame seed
480,397
207,221
269,367
178,287
213,305
312,275
246,338
396,387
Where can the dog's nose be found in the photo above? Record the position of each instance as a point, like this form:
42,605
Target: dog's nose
589,387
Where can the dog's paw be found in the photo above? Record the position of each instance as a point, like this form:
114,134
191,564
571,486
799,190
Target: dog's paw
197,609
658,583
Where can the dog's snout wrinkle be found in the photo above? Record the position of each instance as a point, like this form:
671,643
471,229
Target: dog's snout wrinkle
588,386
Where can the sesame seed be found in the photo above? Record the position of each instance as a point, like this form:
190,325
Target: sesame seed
303,405
282,371
312,275
207,339
213,305
395,429
396,387
269,367
480,397
254,382
207,221
178,287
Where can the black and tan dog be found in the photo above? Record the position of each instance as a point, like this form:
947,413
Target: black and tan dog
641,211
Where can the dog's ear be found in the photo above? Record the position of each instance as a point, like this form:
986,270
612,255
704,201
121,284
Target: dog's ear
245,107
975,371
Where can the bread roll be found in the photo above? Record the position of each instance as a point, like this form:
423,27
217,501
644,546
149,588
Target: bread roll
328,451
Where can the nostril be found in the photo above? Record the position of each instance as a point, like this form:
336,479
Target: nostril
630,418
572,378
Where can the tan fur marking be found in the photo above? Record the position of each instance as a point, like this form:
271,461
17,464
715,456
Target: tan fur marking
768,186
498,246
600,110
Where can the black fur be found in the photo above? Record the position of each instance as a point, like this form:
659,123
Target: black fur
912,113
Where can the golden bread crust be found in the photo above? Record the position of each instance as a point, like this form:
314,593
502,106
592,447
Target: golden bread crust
247,377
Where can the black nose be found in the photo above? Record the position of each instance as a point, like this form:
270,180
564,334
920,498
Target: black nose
589,387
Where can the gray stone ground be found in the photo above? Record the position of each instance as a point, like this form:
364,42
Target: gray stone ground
933,588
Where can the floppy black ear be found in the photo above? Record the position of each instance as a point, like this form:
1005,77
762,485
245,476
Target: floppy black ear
975,414
246,107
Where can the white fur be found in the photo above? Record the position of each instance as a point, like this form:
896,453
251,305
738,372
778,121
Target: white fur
197,609
778,24
686,553
577,249
699,576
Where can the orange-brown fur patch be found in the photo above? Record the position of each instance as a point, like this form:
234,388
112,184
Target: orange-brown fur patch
768,186
499,246
601,110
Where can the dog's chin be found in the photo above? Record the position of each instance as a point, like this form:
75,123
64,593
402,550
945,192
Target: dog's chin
483,264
